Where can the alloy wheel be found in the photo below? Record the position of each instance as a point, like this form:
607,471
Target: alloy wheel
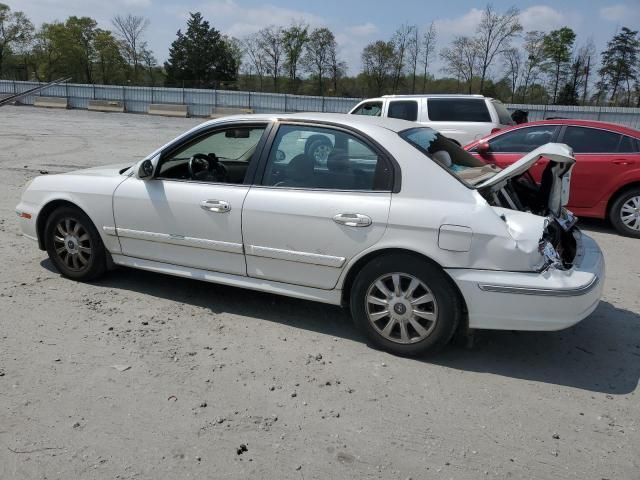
401,308
72,244
630,213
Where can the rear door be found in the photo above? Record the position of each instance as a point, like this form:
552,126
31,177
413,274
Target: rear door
598,162
304,220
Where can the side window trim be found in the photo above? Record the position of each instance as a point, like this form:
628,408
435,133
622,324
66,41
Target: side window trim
394,182
211,130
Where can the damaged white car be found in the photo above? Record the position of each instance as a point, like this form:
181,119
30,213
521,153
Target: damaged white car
418,238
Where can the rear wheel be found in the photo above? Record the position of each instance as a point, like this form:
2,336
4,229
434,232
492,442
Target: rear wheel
405,305
74,245
625,213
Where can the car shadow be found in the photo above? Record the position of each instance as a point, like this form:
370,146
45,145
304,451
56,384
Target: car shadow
600,354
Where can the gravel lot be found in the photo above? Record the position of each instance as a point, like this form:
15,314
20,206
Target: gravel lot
213,367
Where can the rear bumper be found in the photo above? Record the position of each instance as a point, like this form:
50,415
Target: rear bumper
551,300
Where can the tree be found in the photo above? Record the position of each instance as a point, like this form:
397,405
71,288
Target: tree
557,46
271,44
15,28
149,62
534,58
294,38
337,67
513,62
237,50
413,54
200,56
81,35
255,53
461,59
130,29
620,62
400,42
428,49
109,61
379,63
494,34
317,56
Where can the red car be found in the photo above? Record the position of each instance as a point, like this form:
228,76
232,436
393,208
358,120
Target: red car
605,182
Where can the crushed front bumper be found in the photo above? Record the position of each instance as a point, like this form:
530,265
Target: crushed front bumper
551,300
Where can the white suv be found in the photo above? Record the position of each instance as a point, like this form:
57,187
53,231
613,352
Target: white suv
463,118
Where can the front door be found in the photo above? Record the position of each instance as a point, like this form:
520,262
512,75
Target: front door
307,219
190,212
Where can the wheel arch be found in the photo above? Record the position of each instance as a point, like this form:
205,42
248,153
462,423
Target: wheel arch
620,191
357,266
46,211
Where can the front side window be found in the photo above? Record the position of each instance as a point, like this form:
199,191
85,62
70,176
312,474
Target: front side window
591,140
522,140
403,109
458,110
324,158
372,109
222,156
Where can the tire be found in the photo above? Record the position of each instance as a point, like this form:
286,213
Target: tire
74,245
438,318
318,147
624,213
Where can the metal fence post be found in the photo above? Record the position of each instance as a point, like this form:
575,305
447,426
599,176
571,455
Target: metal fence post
152,96
599,111
14,87
322,103
249,100
285,103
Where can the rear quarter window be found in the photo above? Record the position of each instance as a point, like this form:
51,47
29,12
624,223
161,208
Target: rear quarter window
403,109
458,110
504,117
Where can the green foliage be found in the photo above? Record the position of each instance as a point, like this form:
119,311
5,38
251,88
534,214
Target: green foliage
620,63
556,47
200,56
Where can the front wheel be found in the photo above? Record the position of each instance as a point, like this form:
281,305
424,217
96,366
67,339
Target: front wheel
74,245
405,305
625,213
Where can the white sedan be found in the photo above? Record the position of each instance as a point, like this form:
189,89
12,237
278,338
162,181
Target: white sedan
418,238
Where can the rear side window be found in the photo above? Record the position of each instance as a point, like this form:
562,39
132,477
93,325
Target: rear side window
458,110
403,109
372,109
522,140
504,117
591,140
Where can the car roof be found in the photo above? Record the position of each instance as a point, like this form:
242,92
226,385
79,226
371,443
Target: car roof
392,124
615,127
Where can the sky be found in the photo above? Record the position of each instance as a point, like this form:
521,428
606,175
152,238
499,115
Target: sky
354,22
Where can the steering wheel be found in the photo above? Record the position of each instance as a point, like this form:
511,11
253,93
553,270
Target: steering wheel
204,166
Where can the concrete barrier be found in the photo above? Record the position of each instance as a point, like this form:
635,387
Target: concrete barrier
51,102
105,106
168,110
224,111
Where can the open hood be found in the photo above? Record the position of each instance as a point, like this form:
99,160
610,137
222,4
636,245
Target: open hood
556,177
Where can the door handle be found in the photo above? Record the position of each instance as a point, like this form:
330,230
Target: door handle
352,219
218,206
623,162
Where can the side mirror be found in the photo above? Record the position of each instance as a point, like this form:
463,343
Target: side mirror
483,148
145,170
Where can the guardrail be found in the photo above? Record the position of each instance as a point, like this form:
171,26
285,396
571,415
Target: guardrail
203,102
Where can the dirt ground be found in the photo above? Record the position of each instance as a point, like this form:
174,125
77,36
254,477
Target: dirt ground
213,367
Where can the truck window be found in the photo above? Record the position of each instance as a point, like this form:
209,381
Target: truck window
458,110
403,109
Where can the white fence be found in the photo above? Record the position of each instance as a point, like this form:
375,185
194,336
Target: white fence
202,102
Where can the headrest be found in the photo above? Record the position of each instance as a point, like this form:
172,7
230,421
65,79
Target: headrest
300,167
443,157
338,161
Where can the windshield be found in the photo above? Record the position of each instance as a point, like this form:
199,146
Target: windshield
449,155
